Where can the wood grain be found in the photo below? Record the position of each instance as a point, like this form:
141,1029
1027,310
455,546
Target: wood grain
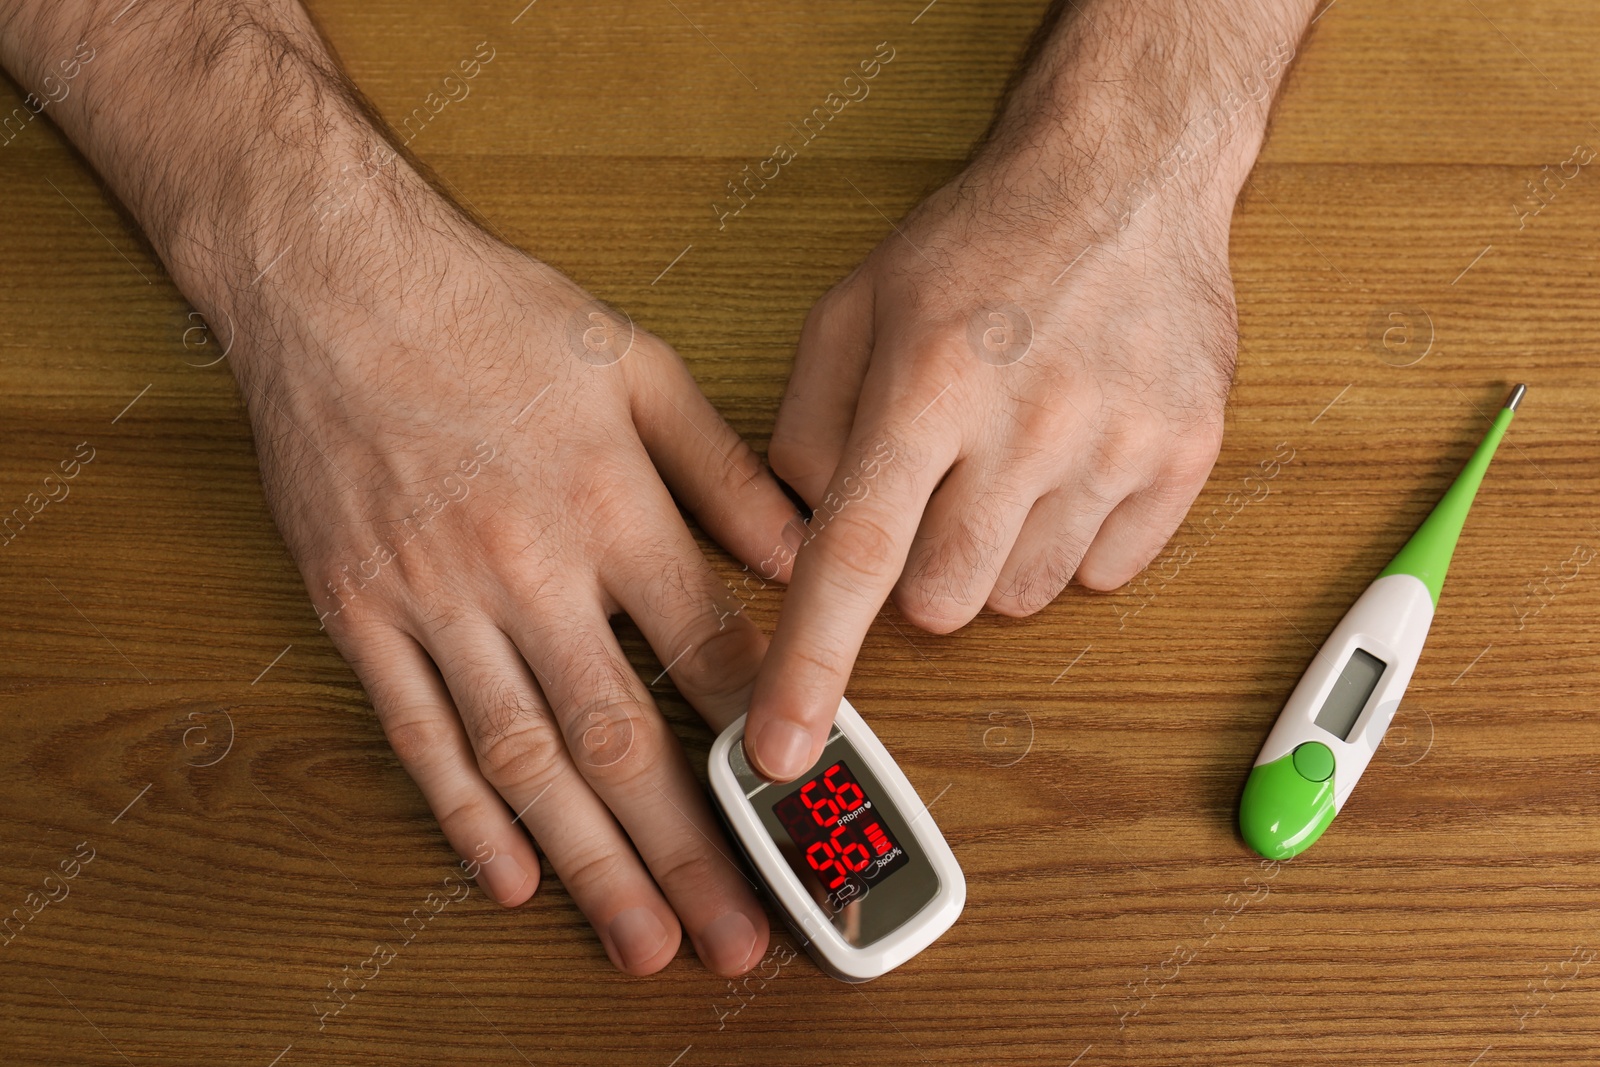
1087,762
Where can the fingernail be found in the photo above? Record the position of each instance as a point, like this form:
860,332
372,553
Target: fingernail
637,935
504,878
728,943
784,749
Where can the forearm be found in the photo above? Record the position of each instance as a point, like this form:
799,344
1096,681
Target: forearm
229,132
1119,103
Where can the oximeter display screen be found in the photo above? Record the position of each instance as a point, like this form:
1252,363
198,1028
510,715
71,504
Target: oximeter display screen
1350,692
837,828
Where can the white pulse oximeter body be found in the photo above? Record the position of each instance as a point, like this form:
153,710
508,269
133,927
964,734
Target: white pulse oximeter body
849,853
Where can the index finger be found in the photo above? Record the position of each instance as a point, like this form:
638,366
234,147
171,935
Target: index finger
856,546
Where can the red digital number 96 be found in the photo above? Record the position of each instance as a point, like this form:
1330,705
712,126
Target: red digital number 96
841,857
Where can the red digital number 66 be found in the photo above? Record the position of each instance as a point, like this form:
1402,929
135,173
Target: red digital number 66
845,796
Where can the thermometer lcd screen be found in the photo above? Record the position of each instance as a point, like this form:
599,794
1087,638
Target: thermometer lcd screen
837,827
1350,692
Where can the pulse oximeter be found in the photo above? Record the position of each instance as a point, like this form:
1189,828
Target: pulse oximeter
847,851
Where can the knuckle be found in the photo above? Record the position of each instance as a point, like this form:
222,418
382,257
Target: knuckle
689,871
516,745
500,530
830,658
459,820
721,663
416,739
1196,453
1123,440
1036,586
861,545
1047,422
929,608
596,868
1106,571
1051,401
1024,597
438,610
612,742
840,317
603,723
943,593
1105,576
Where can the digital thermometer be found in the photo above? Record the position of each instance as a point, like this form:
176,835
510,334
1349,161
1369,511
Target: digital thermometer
851,856
1336,716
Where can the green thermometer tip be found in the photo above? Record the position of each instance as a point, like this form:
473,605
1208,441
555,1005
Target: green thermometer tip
1427,555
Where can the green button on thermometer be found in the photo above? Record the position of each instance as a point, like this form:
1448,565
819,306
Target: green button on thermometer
1336,717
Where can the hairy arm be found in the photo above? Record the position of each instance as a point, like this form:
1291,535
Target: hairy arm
226,128
1023,385
468,456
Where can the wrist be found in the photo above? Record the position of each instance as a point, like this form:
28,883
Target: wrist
298,226
266,188
1152,108
325,256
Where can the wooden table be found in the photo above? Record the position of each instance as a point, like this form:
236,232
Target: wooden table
171,708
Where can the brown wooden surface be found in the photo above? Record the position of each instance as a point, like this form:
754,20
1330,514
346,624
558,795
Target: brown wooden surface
1448,917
